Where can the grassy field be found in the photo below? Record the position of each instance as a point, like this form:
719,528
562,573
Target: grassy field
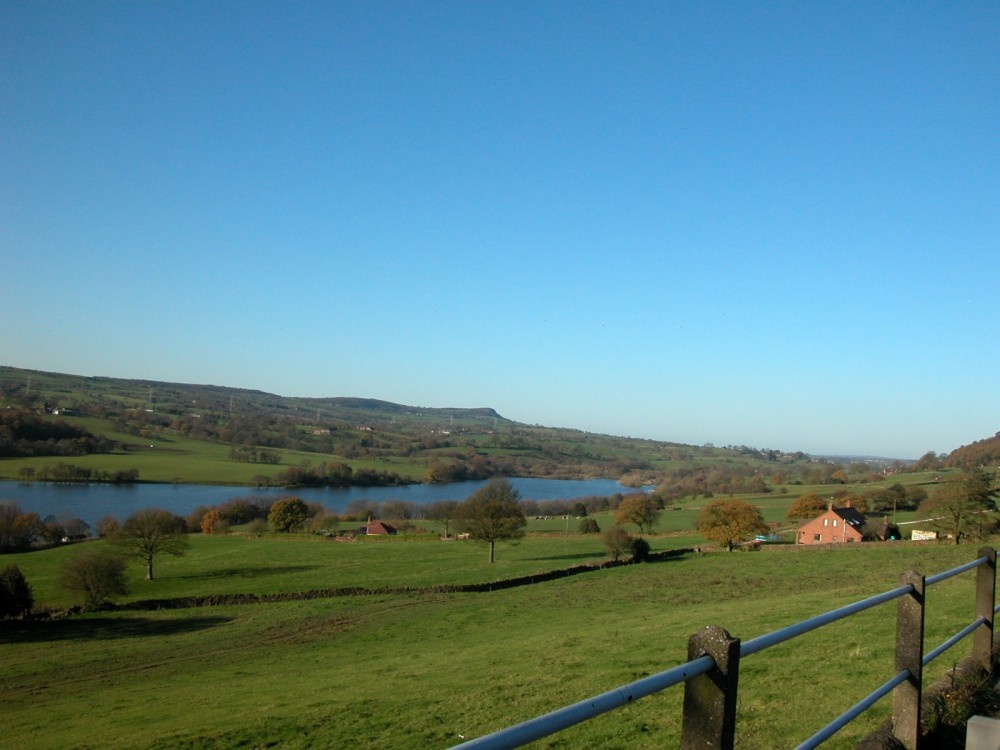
425,670
175,458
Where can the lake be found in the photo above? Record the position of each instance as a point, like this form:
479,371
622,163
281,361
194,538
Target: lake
92,501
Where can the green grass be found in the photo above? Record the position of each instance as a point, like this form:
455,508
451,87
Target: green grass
237,564
420,670
177,458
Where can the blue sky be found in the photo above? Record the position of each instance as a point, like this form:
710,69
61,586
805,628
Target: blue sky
772,224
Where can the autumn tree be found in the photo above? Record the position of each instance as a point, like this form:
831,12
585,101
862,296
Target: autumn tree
730,522
18,530
96,573
642,510
806,506
492,514
150,532
288,514
16,597
213,522
959,508
858,502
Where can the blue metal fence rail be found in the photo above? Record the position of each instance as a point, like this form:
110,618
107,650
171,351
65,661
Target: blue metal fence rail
711,674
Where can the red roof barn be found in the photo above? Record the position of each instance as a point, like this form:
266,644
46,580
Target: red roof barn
379,528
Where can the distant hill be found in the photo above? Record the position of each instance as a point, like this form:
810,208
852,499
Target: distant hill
984,452
378,440
58,391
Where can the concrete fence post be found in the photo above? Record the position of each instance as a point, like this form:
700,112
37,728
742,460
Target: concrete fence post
986,579
709,720
909,655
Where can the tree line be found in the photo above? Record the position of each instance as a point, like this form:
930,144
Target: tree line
24,434
72,473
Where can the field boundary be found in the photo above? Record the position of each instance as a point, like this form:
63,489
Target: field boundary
225,600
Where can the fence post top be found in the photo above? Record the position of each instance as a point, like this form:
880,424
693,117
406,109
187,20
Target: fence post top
712,640
913,577
713,631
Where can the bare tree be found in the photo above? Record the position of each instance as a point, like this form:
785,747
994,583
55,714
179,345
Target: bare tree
150,532
443,511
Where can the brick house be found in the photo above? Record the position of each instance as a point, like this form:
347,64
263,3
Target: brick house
835,526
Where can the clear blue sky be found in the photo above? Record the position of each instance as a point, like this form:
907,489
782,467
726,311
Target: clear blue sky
763,223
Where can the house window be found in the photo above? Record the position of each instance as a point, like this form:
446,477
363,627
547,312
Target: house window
834,521
826,521
834,537
817,537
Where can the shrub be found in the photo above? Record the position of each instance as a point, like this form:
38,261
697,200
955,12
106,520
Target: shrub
288,514
617,542
194,519
106,526
97,574
589,526
640,549
324,522
16,598
213,523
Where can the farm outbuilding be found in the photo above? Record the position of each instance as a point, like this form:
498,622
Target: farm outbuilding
379,528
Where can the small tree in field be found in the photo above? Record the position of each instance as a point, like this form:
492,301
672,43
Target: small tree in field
960,508
730,522
617,542
589,526
95,573
492,514
16,598
150,532
642,510
443,511
288,514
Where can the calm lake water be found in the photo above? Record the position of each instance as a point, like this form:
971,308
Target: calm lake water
92,501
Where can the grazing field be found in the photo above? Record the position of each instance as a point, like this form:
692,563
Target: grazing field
426,670
176,458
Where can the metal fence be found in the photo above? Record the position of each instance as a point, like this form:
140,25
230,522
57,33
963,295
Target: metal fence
711,674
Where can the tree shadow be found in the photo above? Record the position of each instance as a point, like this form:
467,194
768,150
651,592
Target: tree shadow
101,628
249,572
575,556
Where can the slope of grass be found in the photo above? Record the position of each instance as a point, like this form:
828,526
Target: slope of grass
420,671
171,458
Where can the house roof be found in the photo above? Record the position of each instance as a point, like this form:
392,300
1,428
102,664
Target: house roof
378,527
848,515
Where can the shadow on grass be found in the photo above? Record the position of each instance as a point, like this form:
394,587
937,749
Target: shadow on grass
574,556
249,572
102,628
